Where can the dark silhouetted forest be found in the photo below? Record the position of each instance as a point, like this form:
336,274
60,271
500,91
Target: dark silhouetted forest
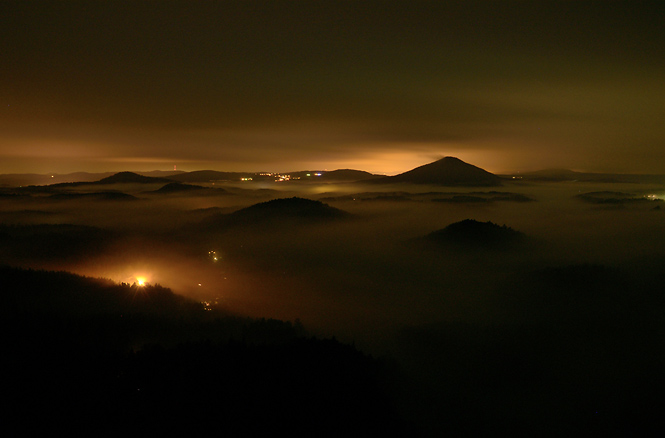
92,356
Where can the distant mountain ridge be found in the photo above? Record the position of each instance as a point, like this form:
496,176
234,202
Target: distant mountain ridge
28,179
448,171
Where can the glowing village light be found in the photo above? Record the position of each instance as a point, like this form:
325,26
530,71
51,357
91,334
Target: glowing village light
212,255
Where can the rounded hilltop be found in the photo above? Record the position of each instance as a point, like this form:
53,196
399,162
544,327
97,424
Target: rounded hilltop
294,207
474,234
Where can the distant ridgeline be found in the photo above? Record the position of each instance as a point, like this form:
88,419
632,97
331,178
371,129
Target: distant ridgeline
88,354
448,171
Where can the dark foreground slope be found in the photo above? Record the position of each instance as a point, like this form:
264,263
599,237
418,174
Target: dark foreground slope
90,355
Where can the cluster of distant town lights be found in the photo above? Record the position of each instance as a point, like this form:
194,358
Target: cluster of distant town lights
279,177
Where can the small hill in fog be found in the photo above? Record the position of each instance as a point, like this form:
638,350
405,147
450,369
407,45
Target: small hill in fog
474,234
277,213
448,171
176,187
282,212
288,208
131,178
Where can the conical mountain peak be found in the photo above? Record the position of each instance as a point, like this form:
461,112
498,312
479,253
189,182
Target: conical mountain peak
448,171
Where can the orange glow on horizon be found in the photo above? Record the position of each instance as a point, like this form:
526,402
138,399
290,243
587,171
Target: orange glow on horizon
396,162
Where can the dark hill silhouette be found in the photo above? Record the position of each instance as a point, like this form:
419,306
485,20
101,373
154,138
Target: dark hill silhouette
141,355
448,171
284,208
348,175
15,180
161,173
470,233
65,295
176,187
131,178
282,212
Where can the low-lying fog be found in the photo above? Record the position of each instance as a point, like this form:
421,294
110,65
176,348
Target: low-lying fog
358,277
556,315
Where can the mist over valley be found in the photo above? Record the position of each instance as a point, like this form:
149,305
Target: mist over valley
533,298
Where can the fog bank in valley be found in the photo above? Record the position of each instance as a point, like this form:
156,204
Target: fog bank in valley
366,263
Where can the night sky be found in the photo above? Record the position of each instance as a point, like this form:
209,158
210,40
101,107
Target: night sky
381,86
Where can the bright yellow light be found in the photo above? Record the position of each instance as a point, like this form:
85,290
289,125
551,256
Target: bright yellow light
140,281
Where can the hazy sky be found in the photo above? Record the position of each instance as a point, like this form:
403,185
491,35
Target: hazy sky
382,86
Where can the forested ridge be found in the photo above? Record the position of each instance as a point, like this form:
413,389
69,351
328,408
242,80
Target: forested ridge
89,354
